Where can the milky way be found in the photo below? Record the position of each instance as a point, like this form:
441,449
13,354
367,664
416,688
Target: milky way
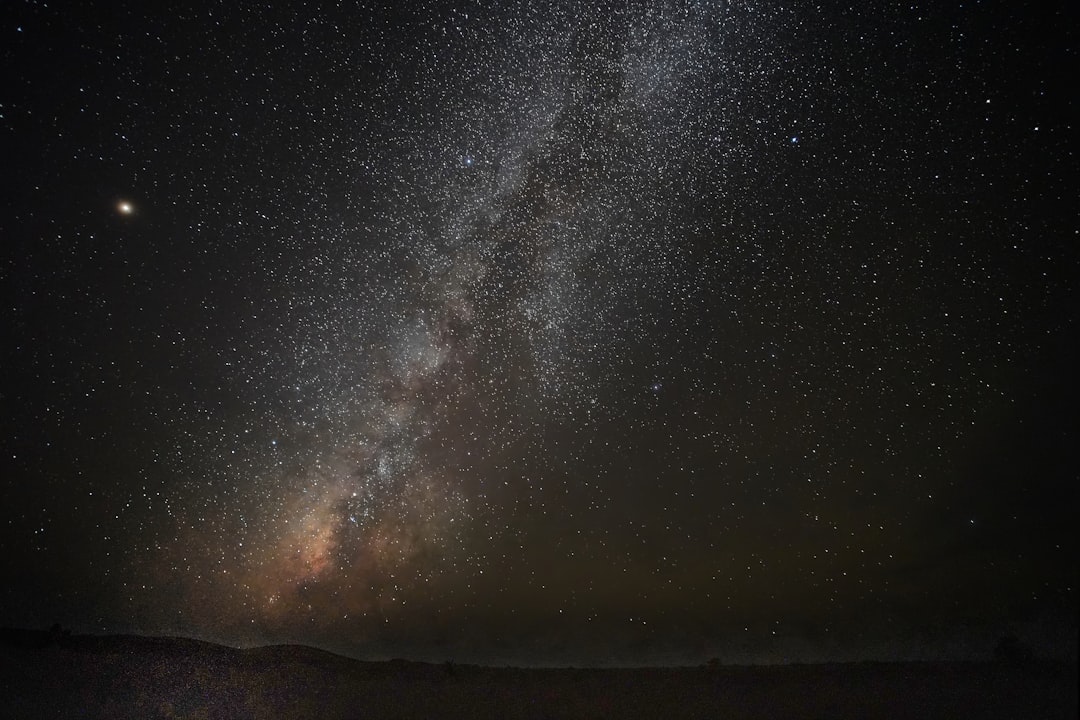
480,307
539,331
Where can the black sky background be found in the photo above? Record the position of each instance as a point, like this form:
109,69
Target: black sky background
542,332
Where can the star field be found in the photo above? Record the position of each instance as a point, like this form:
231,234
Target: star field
541,331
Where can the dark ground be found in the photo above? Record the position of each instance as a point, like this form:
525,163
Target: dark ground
45,675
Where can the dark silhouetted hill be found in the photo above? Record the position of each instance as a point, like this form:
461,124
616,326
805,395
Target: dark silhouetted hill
46,674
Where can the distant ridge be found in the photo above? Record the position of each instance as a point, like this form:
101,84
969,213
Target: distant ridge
178,646
52,673
166,645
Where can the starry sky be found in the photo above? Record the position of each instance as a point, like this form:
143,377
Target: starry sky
541,331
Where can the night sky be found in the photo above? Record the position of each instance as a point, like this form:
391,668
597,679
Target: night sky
541,332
